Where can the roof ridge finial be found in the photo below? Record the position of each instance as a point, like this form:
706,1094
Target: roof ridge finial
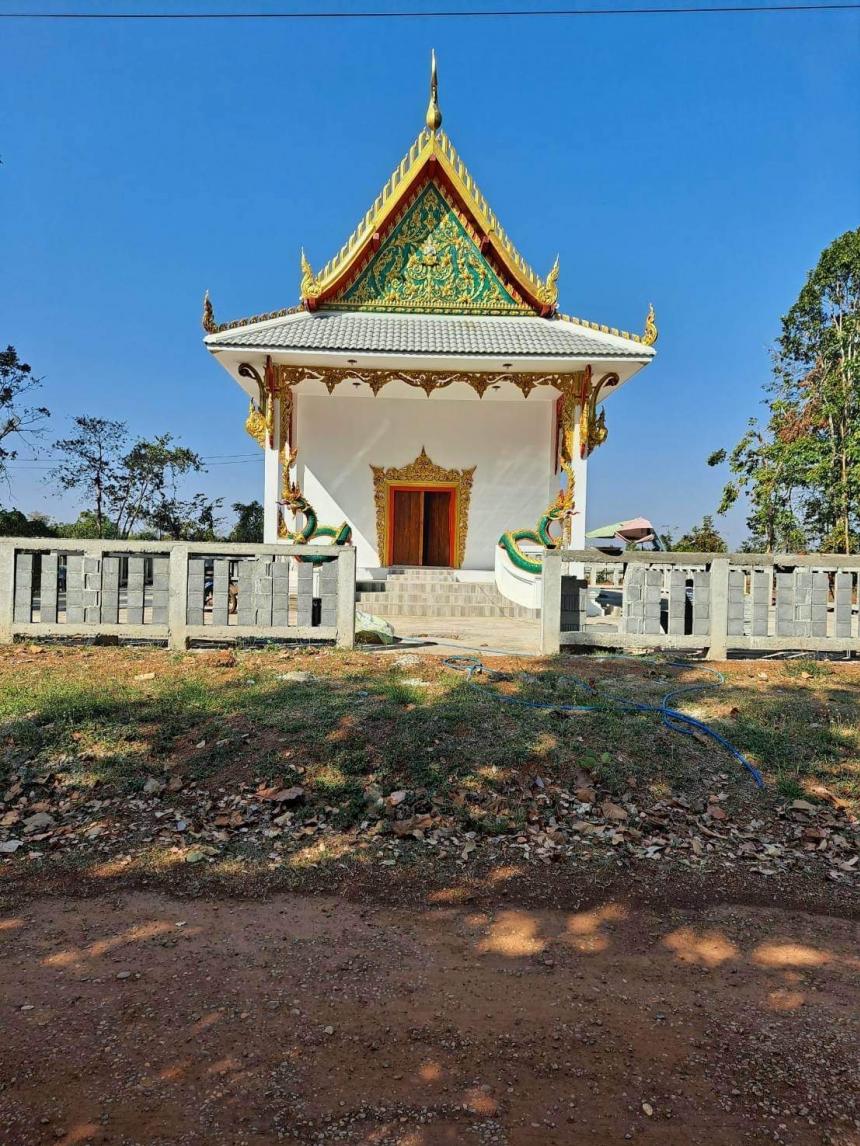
651,333
433,119
208,322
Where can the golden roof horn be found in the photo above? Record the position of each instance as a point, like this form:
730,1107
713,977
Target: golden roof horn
209,324
650,335
433,119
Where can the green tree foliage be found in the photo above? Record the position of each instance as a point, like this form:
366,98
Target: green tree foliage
766,469
194,519
702,538
13,523
86,528
249,522
18,418
801,470
127,486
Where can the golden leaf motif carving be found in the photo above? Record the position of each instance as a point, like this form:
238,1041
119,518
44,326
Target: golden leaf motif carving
255,424
593,431
426,380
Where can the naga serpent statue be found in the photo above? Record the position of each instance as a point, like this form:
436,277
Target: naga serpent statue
560,510
295,501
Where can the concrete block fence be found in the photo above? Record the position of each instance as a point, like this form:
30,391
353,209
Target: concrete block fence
174,591
720,602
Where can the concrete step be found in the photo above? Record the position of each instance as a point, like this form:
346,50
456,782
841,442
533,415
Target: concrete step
383,608
429,592
464,594
423,573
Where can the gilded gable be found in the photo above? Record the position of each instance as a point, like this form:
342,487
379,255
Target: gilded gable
430,262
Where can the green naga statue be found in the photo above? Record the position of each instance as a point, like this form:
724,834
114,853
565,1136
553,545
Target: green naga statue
295,501
559,510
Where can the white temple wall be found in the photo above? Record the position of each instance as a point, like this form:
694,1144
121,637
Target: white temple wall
510,443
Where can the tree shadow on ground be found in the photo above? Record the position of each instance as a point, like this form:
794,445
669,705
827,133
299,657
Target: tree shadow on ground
198,753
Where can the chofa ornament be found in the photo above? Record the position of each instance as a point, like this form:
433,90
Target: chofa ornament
651,333
309,287
547,293
208,320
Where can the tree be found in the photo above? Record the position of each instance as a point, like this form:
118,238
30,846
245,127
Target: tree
192,520
151,473
17,417
701,538
127,487
249,526
767,469
86,528
92,464
817,368
801,470
13,523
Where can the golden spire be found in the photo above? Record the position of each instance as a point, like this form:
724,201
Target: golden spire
650,335
433,119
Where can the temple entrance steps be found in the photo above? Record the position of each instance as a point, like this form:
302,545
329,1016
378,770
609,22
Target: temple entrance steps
426,592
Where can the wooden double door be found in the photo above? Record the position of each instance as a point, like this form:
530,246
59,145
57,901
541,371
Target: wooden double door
421,526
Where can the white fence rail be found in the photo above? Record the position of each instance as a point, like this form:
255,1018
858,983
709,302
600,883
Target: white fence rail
737,601
174,591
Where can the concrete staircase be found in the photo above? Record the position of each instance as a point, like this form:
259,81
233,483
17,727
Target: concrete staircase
435,593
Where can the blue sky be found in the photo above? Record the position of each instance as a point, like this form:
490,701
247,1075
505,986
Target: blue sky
701,163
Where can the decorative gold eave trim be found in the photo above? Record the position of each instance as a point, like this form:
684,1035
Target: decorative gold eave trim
427,380
438,145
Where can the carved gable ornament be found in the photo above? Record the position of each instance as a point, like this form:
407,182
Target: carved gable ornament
430,262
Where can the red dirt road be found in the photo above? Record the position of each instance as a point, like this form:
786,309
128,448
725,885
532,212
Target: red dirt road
144,1019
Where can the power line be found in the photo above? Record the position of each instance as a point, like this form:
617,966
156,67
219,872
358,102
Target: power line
440,14
203,457
32,464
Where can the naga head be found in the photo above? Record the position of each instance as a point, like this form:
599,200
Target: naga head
294,500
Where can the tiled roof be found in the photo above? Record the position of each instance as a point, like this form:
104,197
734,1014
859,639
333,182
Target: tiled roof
430,334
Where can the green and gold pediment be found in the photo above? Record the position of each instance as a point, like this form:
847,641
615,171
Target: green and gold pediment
430,263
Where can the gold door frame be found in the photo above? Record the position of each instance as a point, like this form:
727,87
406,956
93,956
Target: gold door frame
425,474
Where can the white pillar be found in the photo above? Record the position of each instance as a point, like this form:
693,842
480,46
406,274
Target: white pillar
580,488
272,476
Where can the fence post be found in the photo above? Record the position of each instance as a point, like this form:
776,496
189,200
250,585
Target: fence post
7,590
719,628
550,611
346,596
177,597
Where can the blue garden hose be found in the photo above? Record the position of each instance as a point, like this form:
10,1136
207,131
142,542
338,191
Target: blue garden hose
671,718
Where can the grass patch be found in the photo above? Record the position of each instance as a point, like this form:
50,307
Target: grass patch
82,713
806,667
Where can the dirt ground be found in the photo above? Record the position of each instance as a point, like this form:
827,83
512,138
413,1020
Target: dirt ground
141,1018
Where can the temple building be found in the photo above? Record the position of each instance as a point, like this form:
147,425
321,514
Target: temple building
426,399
